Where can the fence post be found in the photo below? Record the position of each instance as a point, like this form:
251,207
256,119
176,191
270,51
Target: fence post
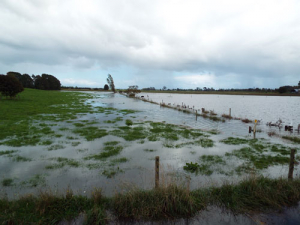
196,115
292,162
230,112
156,171
254,129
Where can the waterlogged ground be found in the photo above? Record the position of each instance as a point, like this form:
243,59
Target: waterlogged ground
110,142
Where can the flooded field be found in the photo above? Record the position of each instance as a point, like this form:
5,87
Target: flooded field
114,145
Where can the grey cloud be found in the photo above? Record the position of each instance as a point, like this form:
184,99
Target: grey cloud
222,40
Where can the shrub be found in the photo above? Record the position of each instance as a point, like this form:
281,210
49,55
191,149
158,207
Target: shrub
10,86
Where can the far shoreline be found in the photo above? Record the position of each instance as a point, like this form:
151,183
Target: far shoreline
195,92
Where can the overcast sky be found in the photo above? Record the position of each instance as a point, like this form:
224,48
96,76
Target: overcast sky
172,43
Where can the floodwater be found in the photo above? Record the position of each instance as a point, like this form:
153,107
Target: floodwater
263,108
139,170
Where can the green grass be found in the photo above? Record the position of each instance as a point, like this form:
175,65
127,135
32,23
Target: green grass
110,173
8,152
129,122
7,182
62,162
17,116
203,169
235,141
119,160
130,133
34,181
17,158
107,152
250,196
293,139
90,133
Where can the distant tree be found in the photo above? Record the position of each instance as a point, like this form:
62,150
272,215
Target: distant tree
10,86
285,89
106,88
27,81
14,74
164,88
47,82
132,90
299,83
111,83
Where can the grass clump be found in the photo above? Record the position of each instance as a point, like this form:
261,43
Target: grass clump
235,141
169,202
119,160
18,158
258,160
129,122
35,181
91,133
292,138
7,182
110,173
108,151
256,195
55,147
62,162
130,133
203,169
8,152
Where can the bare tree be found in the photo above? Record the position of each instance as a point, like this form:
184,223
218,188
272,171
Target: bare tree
111,83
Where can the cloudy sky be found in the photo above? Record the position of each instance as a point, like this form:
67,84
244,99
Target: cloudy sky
172,43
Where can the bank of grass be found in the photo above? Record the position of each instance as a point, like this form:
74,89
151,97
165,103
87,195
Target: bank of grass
253,195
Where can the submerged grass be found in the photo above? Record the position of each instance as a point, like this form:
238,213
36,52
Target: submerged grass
62,162
7,182
108,151
8,152
292,138
253,195
90,133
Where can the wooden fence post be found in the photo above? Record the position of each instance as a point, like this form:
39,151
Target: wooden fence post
292,162
196,115
230,112
156,171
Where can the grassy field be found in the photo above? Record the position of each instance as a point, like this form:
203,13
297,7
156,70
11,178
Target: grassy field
17,115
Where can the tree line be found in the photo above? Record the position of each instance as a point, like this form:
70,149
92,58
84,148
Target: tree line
13,83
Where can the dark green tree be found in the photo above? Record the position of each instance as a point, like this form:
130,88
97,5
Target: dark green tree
46,82
10,86
106,88
14,74
111,83
26,81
